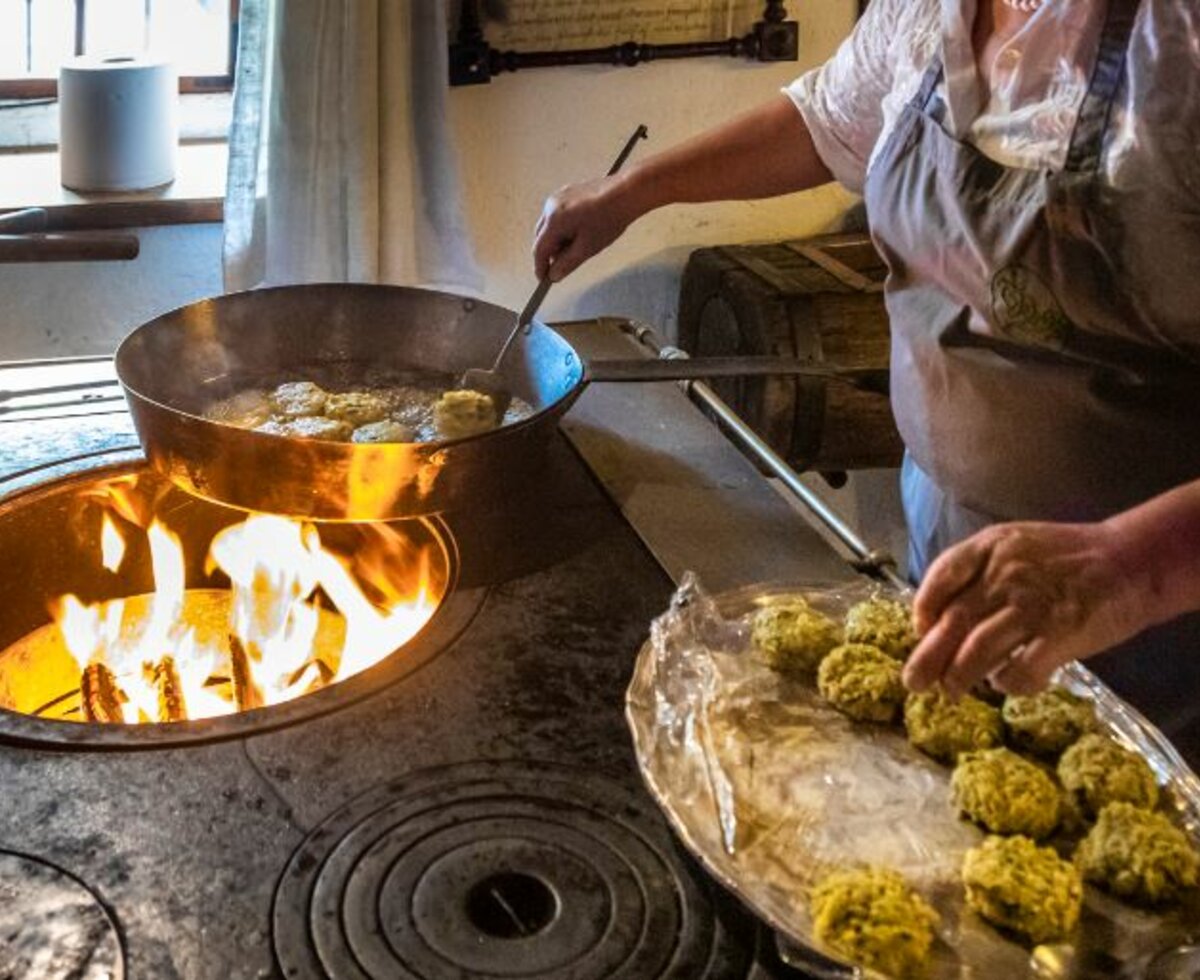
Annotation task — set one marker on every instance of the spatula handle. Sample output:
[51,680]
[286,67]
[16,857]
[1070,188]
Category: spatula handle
[525,320]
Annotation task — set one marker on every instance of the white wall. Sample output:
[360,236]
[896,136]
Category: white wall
[518,139]
[59,309]
[524,135]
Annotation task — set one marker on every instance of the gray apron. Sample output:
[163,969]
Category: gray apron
[1032,377]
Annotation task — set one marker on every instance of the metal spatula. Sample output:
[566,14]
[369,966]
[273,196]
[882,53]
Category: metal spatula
[490,381]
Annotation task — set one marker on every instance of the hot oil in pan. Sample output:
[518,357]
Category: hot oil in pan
[333,402]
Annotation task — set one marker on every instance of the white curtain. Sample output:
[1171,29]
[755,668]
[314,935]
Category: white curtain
[341,165]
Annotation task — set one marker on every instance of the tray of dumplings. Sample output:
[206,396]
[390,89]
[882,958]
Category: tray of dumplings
[887,834]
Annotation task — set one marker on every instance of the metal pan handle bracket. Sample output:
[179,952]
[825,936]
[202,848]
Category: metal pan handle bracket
[875,562]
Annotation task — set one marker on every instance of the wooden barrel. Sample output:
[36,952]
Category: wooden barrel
[819,300]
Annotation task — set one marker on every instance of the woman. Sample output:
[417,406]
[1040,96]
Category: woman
[1031,170]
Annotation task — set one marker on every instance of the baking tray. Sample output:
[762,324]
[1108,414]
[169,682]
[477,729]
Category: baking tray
[769,787]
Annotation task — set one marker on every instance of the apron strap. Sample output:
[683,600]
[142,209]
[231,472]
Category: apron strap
[929,84]
[1083,155]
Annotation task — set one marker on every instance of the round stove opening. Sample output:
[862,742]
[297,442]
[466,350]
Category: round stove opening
[128,604]
[511,905]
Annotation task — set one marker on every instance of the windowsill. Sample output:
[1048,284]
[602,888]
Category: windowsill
[29,171]
[197,195]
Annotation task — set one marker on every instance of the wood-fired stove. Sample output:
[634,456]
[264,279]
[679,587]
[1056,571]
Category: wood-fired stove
[471,806]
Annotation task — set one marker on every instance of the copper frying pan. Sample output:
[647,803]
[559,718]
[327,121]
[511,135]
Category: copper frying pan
[173,367]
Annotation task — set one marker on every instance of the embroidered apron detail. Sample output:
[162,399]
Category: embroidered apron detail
[1024,309]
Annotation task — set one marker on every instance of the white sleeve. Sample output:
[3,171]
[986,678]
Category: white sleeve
[842,101]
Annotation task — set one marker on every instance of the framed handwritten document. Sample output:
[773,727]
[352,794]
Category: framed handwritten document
[558,25]
[548,33]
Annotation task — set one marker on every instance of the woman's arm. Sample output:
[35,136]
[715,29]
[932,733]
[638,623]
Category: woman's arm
[763,153]
[1158,544]
[1016,601]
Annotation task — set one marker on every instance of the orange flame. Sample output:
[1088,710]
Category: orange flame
[275,617]
[112,545]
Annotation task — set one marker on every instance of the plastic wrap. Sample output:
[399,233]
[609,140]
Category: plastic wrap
[770,788]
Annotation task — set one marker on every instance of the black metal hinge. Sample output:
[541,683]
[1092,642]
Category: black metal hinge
[473,61]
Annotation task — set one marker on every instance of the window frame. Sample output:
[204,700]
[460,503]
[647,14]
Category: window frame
[47,88]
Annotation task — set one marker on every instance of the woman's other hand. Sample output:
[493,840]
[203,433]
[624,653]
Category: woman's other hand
[1016,601]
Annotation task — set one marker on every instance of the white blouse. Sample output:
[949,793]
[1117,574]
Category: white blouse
[1038,83]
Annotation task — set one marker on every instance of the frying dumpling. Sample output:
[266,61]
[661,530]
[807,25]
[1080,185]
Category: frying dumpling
[461,413]
[309,427]
[246,409]
[386,430]
[297,398]
[357,407]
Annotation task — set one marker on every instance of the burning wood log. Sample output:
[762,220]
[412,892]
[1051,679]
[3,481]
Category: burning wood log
[246,694]
[171,706]
[318,672]
[99,695]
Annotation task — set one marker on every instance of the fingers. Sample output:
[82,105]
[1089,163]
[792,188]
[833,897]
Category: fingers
[986,649]
[576,223]
[933,656]
[1027,671]
[559,249]
[548,246]
[569,259]
[956,569]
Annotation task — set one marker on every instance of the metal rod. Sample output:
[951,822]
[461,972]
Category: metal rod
[102,399]
[59,700]
[874,561]
[750,366]
[640,133]
[11,394]
[58,417]
[57,361]
[474,61]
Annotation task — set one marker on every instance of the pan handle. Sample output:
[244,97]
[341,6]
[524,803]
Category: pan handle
[705,368]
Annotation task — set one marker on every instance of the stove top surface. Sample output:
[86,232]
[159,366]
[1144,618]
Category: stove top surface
[483,816]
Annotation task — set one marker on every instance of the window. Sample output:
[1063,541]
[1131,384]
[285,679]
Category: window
[36,36]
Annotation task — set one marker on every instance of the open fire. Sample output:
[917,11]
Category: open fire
[296,614]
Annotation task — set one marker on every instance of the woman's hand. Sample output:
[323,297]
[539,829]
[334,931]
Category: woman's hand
[1016,601]
[577,222]
[762,153]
